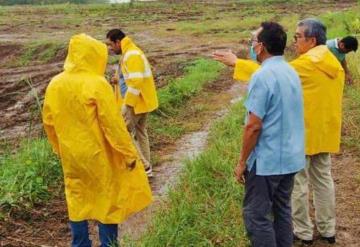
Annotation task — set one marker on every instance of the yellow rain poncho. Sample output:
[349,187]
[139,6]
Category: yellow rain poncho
[322,78]
[85,129]
[141,92]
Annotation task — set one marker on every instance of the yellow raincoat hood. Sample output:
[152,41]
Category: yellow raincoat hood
[323,61]
[322,78]
[86,54]
[85,129]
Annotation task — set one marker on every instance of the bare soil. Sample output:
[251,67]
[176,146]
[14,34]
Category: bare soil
[46,225]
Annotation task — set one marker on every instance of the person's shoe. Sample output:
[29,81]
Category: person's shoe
[149,172]
[304,242]
[330,240]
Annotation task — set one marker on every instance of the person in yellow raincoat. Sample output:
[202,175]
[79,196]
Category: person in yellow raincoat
[322,78]
[104,178]
[138,91]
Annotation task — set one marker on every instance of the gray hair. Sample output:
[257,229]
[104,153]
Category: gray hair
[314,28]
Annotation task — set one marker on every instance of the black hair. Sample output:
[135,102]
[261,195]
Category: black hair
[115,34]
[273,38]
[350,43]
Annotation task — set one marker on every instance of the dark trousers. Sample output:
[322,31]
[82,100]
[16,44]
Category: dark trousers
[267,209]
[108,234]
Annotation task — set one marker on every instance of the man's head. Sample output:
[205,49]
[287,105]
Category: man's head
[348,44]
[268,40]
[309,33]
[114,37]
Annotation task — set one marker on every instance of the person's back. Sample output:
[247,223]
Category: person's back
[322,80]
[332,44]
[283,123]
[104,179]
[74,93]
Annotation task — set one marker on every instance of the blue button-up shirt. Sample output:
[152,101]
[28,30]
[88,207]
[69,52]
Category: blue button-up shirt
[275,96]
[122,83]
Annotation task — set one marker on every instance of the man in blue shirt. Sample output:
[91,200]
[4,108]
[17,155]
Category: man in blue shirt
[340,47]
[273,140]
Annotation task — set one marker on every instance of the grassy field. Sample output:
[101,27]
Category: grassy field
[205,207]
[229,23]
[351,109]
[29,176]
[173,97]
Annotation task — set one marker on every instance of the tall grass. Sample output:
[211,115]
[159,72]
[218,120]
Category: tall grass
[204,209]
[342,23]
[27,175]
[351,109]
[197,74]
[173,97]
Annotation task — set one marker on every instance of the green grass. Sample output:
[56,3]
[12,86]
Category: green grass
[342,23]
[351,109]
[27,175]
[38,51]
[197,74]
[205,208]
[173,97]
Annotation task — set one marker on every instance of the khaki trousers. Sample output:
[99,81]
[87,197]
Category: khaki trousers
[136,124]
[318,173]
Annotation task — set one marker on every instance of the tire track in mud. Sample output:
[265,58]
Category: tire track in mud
[19,89]
[21,86]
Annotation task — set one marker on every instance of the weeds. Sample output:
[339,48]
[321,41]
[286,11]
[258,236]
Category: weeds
[205,207]
[27,175]
[351,110]
[164,124]
[41,51]
[198,73]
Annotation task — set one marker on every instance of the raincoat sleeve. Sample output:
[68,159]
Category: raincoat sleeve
[113,124]
[244,68]
[49,126]
[137,72]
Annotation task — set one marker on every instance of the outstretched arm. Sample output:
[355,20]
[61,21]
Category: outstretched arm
[243,68]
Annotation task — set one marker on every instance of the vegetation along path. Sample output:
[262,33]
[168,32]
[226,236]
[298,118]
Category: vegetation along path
[197,202]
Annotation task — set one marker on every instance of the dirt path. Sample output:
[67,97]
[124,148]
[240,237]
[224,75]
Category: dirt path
[346,173]
[188,147]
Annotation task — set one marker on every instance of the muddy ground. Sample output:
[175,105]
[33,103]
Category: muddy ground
[21,86]
[164,45]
